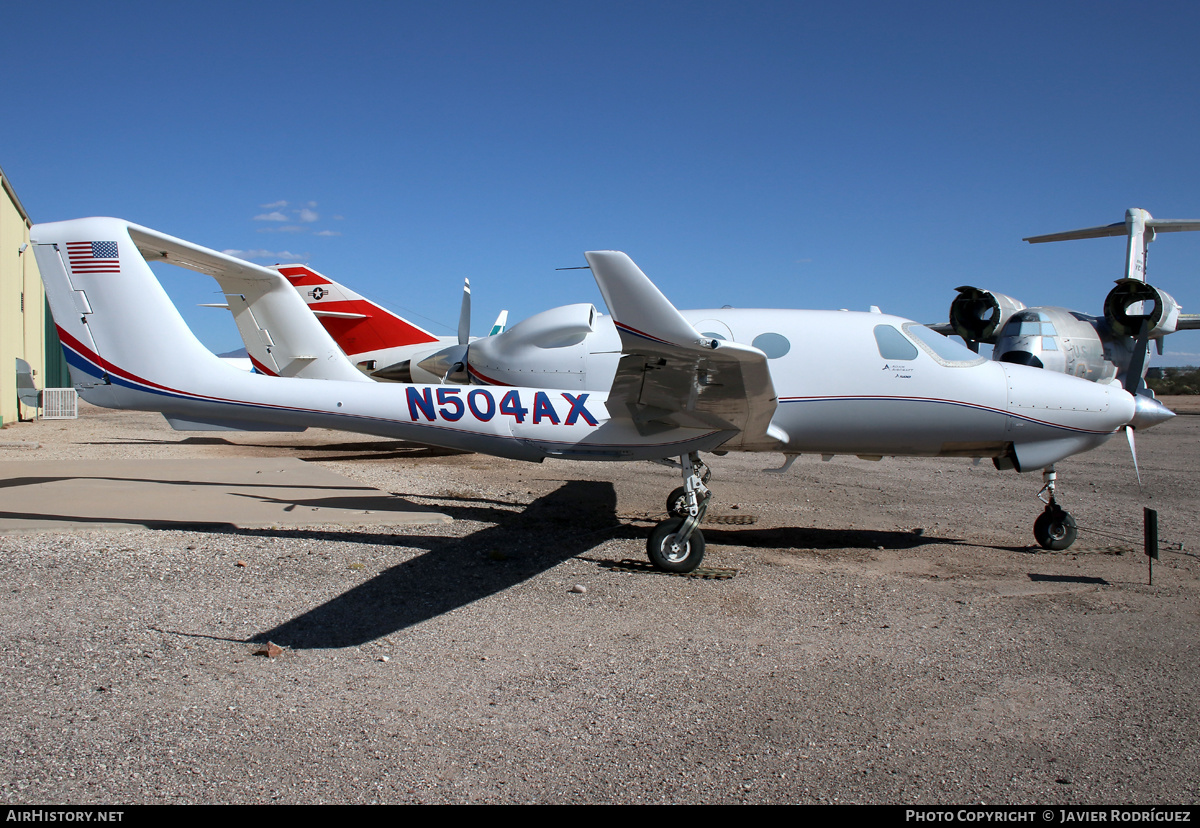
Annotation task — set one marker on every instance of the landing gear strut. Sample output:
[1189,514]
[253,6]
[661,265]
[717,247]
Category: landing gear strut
[677,544]
[1055,528]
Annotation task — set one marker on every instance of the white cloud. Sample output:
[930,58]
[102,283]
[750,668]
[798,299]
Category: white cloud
[274,206]
[274,255]
[328,233]
[275,216]
[291,228]
[308,215]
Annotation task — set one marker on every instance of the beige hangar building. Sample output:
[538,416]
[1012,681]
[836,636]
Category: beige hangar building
[26,329]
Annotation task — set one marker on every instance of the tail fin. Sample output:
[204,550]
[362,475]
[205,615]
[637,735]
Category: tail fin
[357,324]
[102,292]
[500,325]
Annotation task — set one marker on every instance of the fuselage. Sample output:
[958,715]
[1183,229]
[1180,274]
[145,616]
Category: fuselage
[852,383]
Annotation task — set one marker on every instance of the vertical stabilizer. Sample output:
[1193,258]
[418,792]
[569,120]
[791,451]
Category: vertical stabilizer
[357,324]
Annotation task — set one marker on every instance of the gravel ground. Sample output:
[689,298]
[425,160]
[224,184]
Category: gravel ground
[890,636]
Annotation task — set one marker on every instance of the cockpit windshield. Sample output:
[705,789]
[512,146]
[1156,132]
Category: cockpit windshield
[942,348]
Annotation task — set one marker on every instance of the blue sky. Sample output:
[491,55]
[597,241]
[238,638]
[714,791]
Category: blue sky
[770,154]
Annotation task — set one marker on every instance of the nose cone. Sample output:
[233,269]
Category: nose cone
[442,362]
[1149,412]
[1053,416]
[1067,402]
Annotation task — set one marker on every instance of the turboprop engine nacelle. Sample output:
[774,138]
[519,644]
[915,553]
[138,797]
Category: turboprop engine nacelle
[1133,301]
[977,315]
[557,346]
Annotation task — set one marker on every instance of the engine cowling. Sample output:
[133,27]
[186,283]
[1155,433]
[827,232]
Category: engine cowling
[1132,301]
[978,315]
[552,349]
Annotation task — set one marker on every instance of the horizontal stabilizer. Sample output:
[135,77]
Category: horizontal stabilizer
[1118,229]
[27,391]
[338,315]
[280,335]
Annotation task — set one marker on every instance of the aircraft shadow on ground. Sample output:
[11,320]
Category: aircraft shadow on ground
[789,537]
[16,482]
[389,450]
[1067,579]
[455,572]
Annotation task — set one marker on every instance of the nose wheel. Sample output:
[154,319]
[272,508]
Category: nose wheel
[677,544]
[1054,528]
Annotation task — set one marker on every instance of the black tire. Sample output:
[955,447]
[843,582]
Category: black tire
[662,556]
[1055,529]
[677,503]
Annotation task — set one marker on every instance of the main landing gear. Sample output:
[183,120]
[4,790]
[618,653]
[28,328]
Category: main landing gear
[677,544]
[1055,528]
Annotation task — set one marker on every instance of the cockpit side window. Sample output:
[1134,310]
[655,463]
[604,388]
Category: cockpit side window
[893,344]
[1029,324]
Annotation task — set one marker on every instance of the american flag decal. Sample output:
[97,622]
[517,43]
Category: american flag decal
[93,257]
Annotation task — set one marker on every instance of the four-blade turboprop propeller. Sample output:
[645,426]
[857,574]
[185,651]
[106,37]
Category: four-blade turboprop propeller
[648,382]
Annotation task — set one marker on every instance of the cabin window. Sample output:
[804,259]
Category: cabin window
[772,344]
[892,344]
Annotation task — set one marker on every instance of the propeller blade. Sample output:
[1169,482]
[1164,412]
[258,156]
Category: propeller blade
[1141,347]
[464,316]
[1133,451]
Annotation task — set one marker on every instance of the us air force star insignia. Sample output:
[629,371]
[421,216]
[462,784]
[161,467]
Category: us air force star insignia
[317,293]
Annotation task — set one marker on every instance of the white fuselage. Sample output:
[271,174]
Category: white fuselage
[843,391]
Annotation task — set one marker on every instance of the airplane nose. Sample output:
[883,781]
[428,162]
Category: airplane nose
[1053,416]
[1066,401]
[1149,412]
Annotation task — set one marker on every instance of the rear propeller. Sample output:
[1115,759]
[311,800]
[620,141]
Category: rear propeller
[453,358]
[464,315]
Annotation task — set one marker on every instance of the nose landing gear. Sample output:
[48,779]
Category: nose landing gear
[1054,528]
[677,544]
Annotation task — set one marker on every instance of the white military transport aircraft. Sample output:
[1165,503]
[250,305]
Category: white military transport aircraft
[675,385]
[1101,348]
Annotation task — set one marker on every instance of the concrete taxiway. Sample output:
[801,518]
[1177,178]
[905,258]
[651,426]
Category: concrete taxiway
[243,493]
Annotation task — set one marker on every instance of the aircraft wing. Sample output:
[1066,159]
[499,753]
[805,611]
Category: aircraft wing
[669,375]
[282,337]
